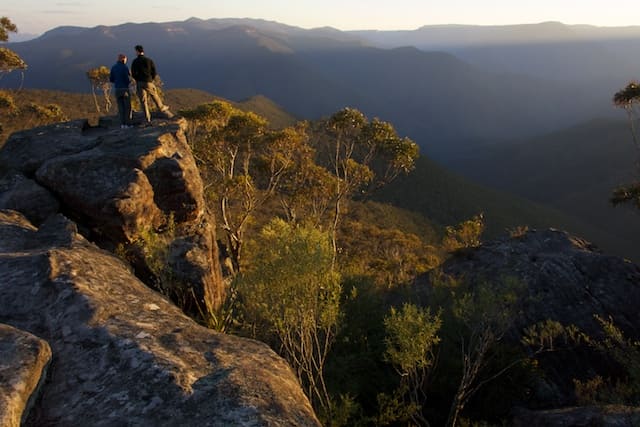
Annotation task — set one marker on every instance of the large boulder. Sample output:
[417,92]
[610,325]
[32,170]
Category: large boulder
[122,353]
[120,185]
[22,194]
[565,279]
[24,359]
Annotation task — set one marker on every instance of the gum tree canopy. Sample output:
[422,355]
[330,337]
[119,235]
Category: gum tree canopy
[9,60]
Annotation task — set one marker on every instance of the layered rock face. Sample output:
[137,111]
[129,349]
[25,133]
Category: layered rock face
[117,185]
[122,353]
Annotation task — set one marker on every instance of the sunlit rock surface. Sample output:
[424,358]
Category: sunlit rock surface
[122,353]
[117,184]
[24,359]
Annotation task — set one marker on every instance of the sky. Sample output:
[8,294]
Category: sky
[38,16]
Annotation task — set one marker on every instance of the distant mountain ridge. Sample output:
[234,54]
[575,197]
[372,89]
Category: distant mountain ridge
[598,59]
[442,102]
[456,101]
[441,36]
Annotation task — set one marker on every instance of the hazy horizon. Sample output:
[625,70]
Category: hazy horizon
[34,17]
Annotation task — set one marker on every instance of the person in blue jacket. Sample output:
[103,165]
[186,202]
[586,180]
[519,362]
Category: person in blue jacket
[121,78]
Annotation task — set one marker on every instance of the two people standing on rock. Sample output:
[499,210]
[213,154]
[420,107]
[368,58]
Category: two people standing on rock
[143,70]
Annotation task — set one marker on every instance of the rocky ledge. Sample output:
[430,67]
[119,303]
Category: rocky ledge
[121,353]
[118,184]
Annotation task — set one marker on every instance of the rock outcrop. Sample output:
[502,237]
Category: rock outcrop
[122,353]
[117,185]
[609,415]
[24,359]
[22,194]
[565,279]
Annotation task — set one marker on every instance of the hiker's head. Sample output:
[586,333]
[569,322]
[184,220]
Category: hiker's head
[139,49]
[122,58]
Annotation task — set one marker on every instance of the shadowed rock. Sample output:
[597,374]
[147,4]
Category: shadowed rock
[123,354]
[565,279]
[24,359]
[20,193]
[609,415]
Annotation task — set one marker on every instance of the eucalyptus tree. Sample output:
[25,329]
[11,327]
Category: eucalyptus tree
[291,293]
[411,341]
[628,98]
[6,27]
[9,60]
[99,79]
[363,155]
[243,163]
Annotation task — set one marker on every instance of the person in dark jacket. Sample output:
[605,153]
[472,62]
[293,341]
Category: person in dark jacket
[120,77]
[143,71]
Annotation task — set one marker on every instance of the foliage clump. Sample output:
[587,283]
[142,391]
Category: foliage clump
[45,113]
[9,60]
[6,27]
[627,194]
[292,292]
[624,98]
[626,353]
[7,103]
[411,339]
[390,256]
[26,114]
[464,235]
